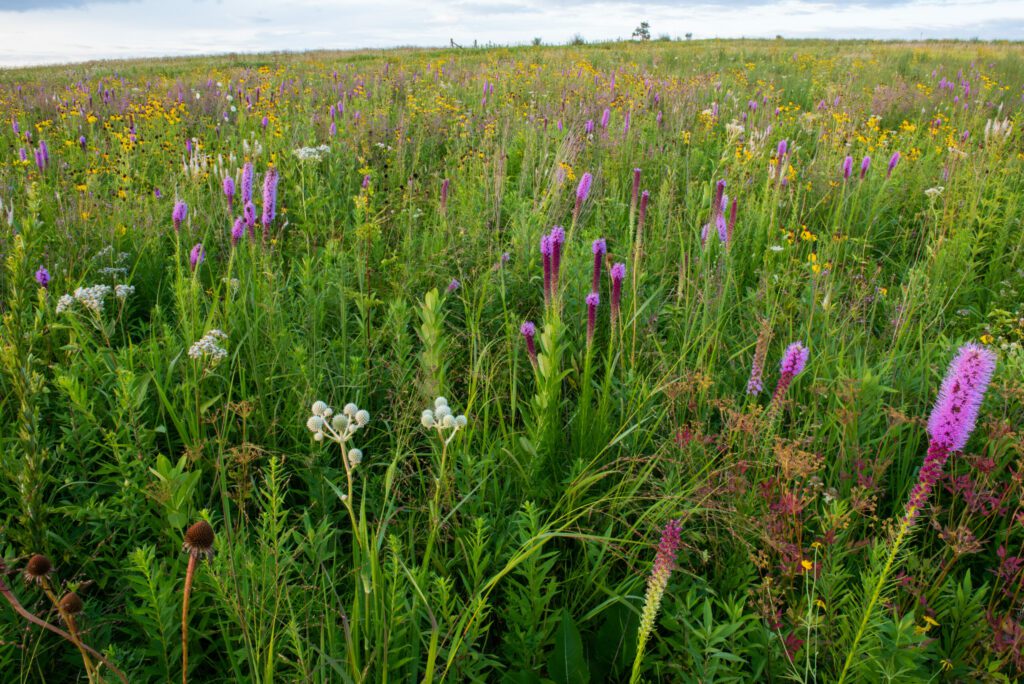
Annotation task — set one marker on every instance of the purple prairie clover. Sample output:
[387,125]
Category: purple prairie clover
[229,191]
[43,277]
[593,299]
[453,286]
[865,164]
[847,167]
[893,161]
[599,248]
[529,331]
[445,184]
[196,256]
[247,181]
[178,214]
[657,582]
[269,199]
[618,275]
[237,231]
[960,396]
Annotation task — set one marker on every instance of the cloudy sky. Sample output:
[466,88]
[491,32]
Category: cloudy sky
[46,31]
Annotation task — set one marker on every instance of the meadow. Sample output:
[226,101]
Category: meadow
[666,362]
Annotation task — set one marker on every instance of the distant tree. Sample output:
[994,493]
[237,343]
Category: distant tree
[537,42]
[665,38]
[578,40]
[689,36]
[643,31]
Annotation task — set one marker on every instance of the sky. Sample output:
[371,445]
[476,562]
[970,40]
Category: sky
[57,31]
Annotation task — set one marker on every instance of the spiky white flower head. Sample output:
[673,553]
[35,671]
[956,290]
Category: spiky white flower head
[319,407]
[350,410]
[315,423]
[439,402]
[461,421]
[362,417]
[318,436]
[428,419]
[442,411]
[448,421]
[339,423]
[355,456]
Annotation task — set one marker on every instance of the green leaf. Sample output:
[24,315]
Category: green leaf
[567,664]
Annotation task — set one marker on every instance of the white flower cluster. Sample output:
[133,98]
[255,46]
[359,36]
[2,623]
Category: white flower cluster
[312,153]
[114,272]
[441,418]
[994,128]
[338,427]
[207,347]
[122,292]
[932,193]
[90,298]
[254,148]
[232,283]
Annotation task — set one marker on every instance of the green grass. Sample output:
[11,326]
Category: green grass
[518,549]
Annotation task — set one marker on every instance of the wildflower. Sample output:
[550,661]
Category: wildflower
[618,274]
[208,347]
[847,167]
[441,418]
[453,285]
[893,161]
[755,384]
[81,141]
[657,582]
[199,540]
[237,231]
[338,428]
[960,396]
[599,248]
[582,192]
[865,164]
[793,362]
[528,330]
[178,214]
[593,299]
[932,193]
[269,198]
[38,569]
[247,180]
[546,250]
[557,240]
[249,217]
[312,153]
[781,151]
[43,277]
[229,191]
[71,604]
[197,255]
[606,117]
[122,292]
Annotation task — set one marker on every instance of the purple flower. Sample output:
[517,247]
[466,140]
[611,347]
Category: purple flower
[599,248]
[81,141]
[847,167]
[247,180]
[794,360]
[583,189]
[237,231]
[43,277]
[865,164]
[606,117]
[618,274]
[893,161]
[366,181]
[333,129]
[636,191]
[178,214]
[960,396]
[264,122]
[593,299]
[657,582]
[557,240]
[269,199]
[645,198]
[528,330]
[229,190]
[22,155]
[157,193]
[249,217]
[589,126]
[197,255]
[45,151]
[453,286]
[546,249]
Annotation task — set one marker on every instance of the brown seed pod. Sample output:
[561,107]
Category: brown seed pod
[199,540]
[71,604]
[38,568]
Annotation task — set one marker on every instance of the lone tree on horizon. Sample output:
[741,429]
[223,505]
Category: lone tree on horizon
[643,31]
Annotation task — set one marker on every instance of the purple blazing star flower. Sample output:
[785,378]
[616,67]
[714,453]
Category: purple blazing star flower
[366,181]
[196,256]
[582,192]
[229,191]
[782,150]
[636,191]
[588,127]
[333,129]
[593,299]
[269,199]
[618,275]
[959,401]
[45,151]
[793,362]
[249,217]
[22,155]
[546,250]
[43,277]
[528,331]
[865,164]
[454,285]
[557,240]
[247,181]
[237,231]
[847,167]
[606,117]
[81,141]
[178,214]
[599,248]
[893,161]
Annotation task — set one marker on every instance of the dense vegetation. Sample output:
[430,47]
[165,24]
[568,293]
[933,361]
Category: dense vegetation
[442,224]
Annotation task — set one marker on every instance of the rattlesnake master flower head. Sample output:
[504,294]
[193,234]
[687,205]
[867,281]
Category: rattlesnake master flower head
[199,540]
[71,604]
[442,418]
[794,360]
[960,396]
[38,568]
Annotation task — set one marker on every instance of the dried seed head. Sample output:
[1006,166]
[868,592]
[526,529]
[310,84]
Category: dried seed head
[199,540]
[38,568]
[71,604]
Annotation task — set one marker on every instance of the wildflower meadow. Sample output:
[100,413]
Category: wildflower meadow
[669,361]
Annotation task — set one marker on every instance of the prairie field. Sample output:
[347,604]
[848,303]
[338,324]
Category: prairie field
[673,361]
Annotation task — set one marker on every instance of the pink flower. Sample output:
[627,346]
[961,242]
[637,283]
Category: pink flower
[960,396]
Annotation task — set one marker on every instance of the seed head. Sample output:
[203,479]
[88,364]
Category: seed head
[199,540]
[38,568]
[71,604]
